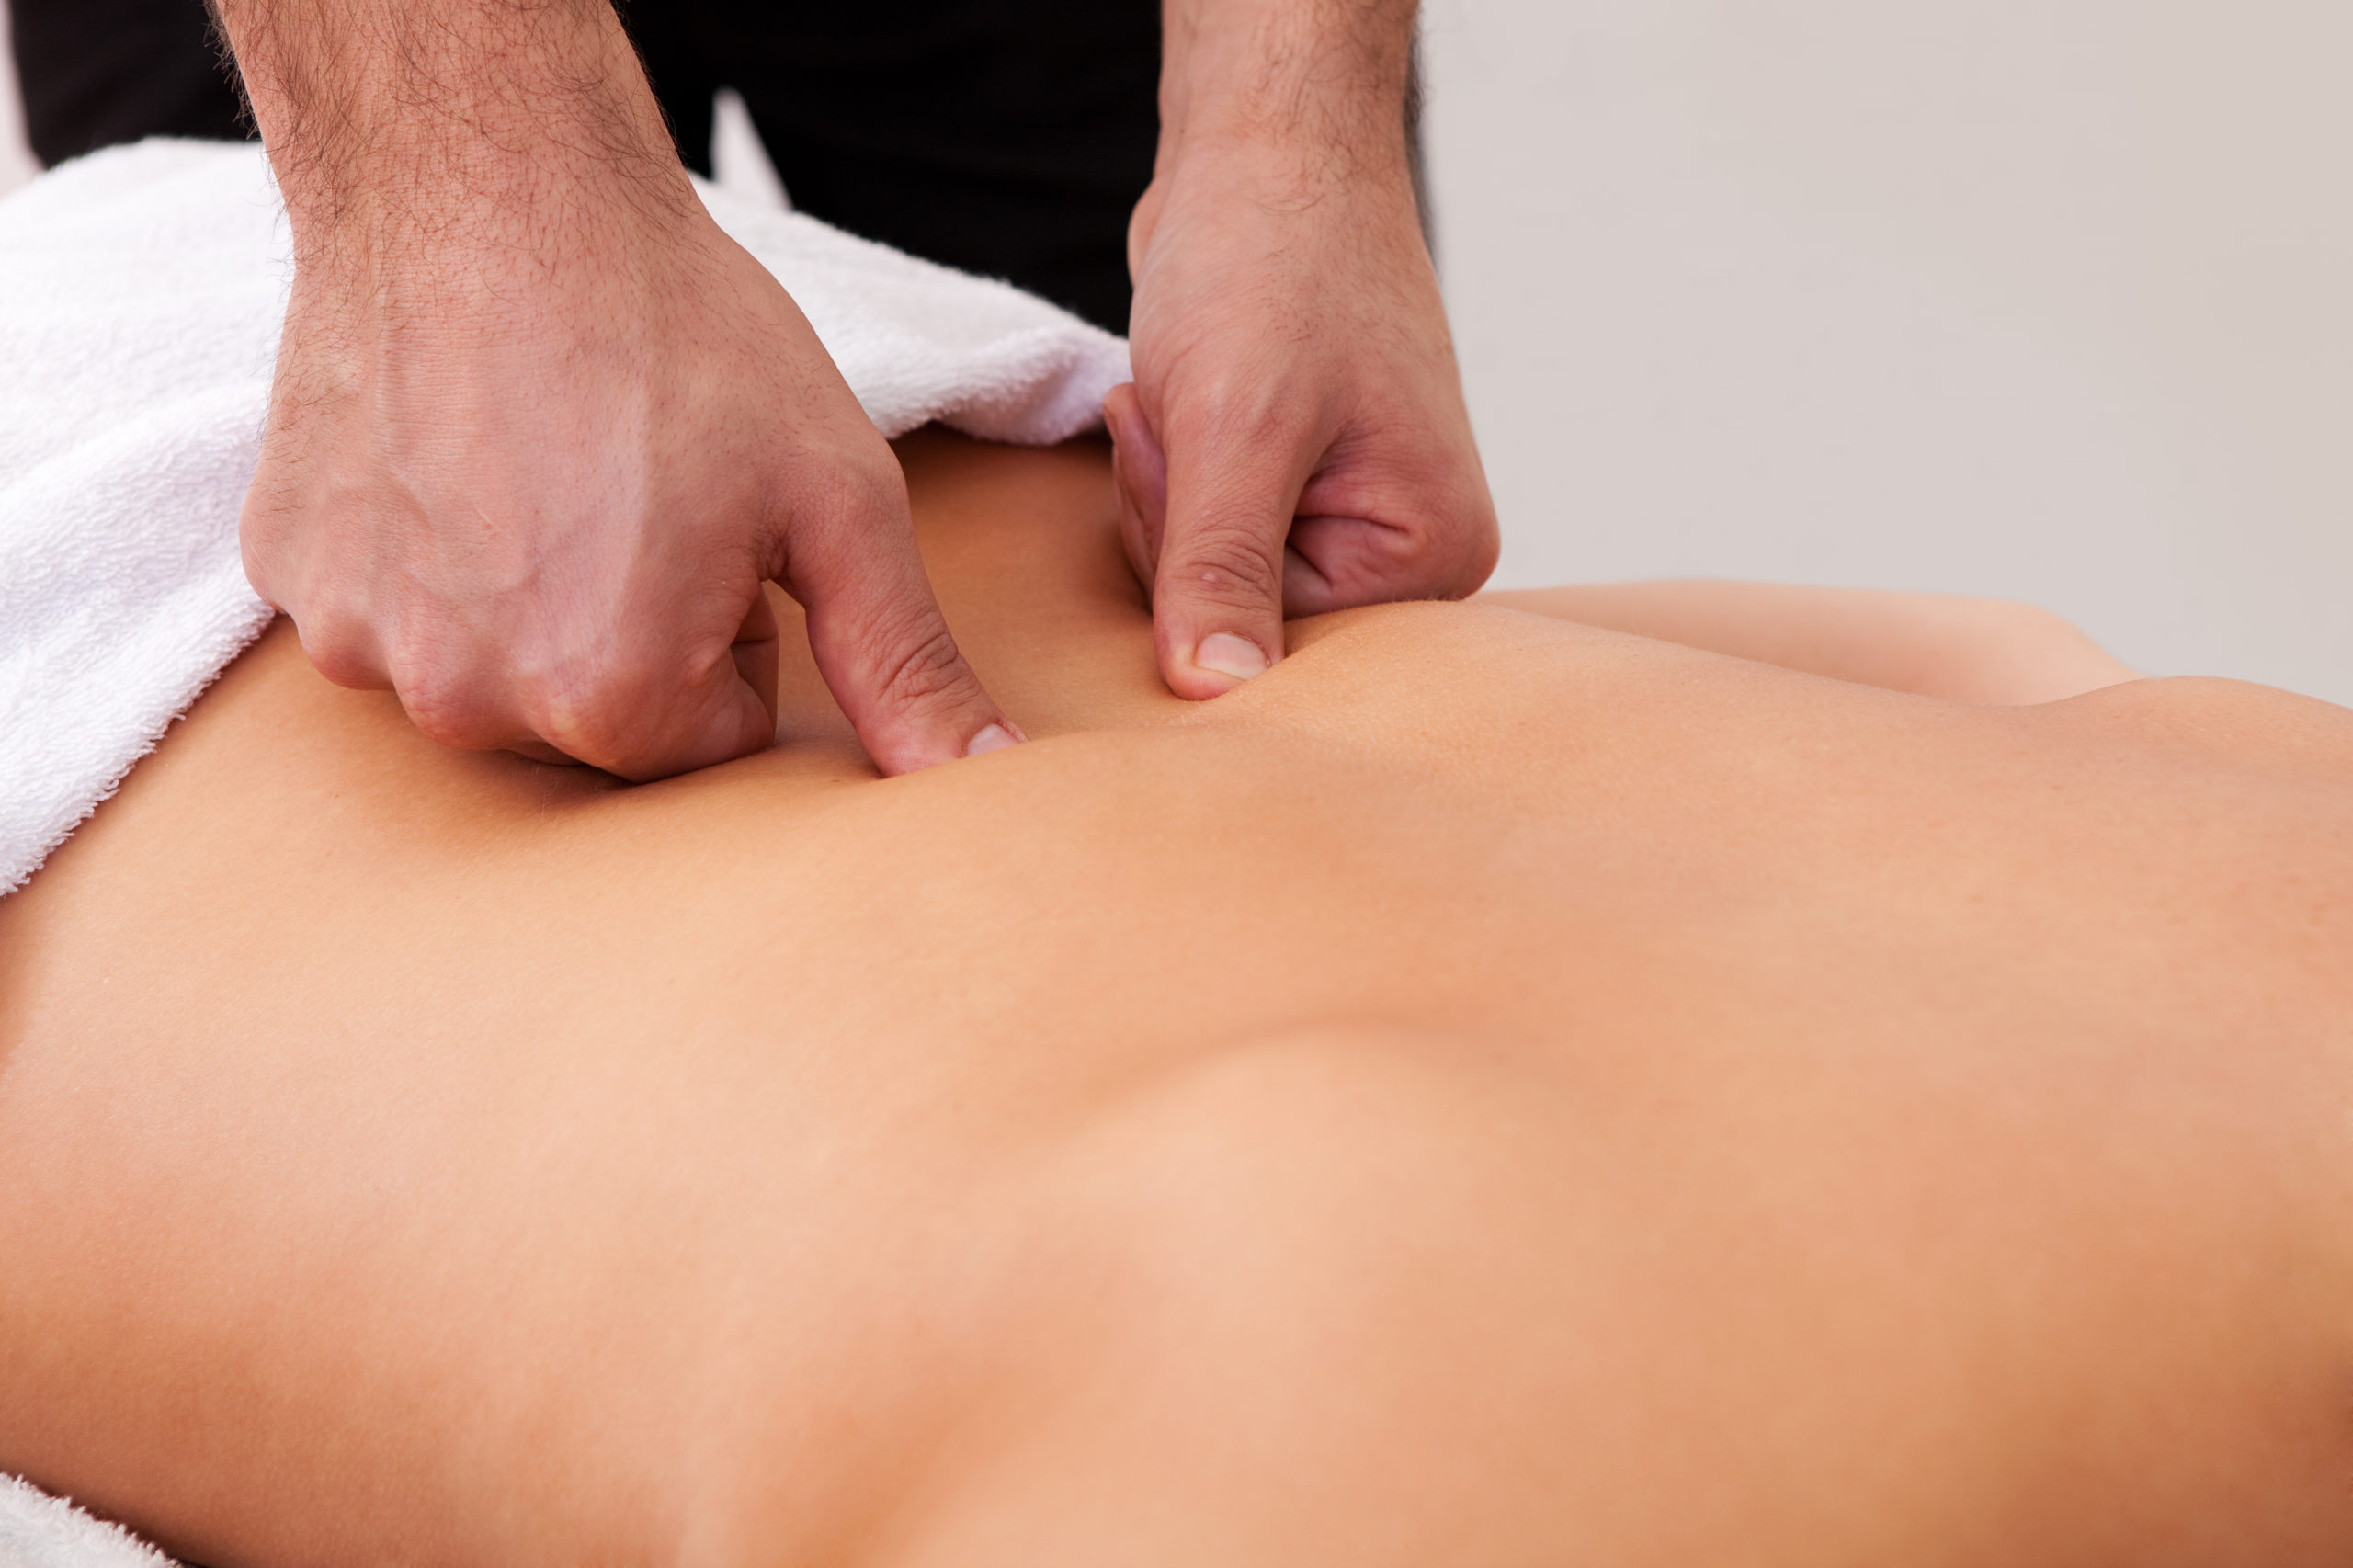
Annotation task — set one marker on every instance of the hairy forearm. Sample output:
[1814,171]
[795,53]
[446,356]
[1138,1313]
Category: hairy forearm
[388,116]
[1325,80]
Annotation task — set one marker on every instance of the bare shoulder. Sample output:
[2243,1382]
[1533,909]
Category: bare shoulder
[2224,720]
[1983,652]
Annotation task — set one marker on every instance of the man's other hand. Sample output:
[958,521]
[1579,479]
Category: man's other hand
[1295,440]
[541,430]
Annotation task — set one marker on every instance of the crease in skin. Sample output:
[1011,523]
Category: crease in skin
[1490,1090]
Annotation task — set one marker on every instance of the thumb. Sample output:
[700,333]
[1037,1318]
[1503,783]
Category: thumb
[1217,589]
[882,644]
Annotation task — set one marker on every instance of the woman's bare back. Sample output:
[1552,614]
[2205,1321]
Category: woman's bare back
[1491,1089]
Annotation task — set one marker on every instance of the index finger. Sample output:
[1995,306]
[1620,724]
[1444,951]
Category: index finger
[879,637]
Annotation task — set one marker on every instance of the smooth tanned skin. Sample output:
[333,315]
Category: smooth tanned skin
[1492,1091]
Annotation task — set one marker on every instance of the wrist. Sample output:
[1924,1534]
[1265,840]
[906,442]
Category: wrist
[451,121]
[1297,200]
[1314,87]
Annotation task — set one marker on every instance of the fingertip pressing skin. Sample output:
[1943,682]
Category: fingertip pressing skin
[1199,669]
[1219,612]
[911,745]
[994,737]
[1222,652]
[888,657]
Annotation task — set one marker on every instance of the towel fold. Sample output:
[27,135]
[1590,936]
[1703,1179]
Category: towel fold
[141,292]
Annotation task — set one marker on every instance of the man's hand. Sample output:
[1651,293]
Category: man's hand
[1295,440]
[541,430]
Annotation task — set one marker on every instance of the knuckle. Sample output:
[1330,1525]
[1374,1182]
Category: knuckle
[339,649]
[260,558]
[447,705]
[925,668]
[1483,554]
[1227,563]
[1462,554]
[592,706]
[340,640]
[626,709]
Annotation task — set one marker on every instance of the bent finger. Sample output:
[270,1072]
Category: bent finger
[649,708]
[641,735]
[1338,562]
[881,642]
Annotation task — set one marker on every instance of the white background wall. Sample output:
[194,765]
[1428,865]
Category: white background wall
[2052,298]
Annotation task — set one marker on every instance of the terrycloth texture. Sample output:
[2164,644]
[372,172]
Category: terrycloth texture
[40,1531]
[141,291]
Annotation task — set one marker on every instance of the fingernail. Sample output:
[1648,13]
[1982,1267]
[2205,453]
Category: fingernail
[1229,655]
[994,737]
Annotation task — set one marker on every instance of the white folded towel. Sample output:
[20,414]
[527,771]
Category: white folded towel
[141,290]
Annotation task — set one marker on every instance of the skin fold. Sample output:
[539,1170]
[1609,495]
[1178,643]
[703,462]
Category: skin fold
[1493,1090]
